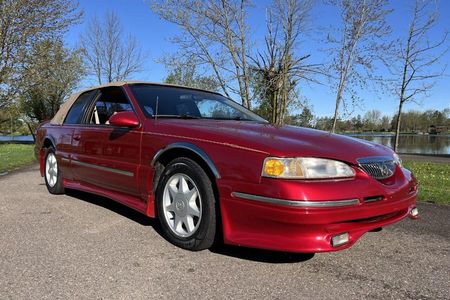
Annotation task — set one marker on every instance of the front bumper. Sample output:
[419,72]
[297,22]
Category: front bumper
[310,228]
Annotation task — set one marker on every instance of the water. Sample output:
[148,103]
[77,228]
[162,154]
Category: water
[413,144]
[23,139]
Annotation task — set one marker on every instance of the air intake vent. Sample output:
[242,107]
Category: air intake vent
[379,167]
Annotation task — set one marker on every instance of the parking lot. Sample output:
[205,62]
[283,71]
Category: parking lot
[85,247]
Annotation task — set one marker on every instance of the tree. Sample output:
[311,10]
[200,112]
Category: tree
[48,79]
[323,123]
[278,69]
[304,119]
[357,123]
[417,54]
[109,54]
[215,33]
[22,24]
[372,118]
[385,123]
[187,75]
[358,44]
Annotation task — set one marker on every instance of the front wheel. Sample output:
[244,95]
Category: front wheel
[53,176]
[185,205]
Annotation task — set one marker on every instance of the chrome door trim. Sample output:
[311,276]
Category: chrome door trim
[299,203]
[107,169]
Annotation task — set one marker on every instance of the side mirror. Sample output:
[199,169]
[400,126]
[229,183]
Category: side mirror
[124,119]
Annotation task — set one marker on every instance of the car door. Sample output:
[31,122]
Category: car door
[72,123]
[107,156]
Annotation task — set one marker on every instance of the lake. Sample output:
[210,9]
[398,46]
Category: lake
[412,143]
[417,144]
[22,139]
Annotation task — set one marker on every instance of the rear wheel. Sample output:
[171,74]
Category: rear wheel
[53,176]
[185,205]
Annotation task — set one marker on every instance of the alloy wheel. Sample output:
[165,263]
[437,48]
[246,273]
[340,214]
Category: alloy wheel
[182,205]
[51,169]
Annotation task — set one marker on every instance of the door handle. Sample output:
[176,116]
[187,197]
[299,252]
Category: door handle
[77,137]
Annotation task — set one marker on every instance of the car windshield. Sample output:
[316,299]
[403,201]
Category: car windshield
[177,102]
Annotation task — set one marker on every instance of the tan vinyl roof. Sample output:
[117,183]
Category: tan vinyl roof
[60,116]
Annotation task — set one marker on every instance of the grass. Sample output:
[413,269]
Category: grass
[15,156]
[434,180]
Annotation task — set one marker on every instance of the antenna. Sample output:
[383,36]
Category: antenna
[156,109]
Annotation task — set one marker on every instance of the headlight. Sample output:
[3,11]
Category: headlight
[305,168]
[397,160]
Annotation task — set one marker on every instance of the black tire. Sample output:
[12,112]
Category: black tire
[54,187]
[203,236]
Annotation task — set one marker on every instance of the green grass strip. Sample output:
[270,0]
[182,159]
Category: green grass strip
[15,156]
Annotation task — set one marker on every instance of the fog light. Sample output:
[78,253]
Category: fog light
[339,240]
[414,213]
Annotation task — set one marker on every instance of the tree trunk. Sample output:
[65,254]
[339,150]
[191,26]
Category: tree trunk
[31,131]
[397,127]
[336,110]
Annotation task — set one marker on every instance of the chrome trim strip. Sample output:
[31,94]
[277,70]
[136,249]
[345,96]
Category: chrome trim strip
[374,159]
[191,147]
[112,170]
[300,203]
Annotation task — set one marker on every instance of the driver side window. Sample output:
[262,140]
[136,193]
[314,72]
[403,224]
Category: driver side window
[110,101]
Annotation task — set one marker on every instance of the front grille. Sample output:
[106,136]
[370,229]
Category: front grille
[378,167]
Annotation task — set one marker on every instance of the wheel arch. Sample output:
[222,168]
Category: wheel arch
[184,149]
[193,151]
[48,141]
[40,151]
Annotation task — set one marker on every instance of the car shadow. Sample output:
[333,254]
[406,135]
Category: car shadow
[112,205]
[258,255]
[261,255]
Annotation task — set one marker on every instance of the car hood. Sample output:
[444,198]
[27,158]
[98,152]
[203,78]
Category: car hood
[282,141]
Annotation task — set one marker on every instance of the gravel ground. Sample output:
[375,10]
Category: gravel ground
[80,246]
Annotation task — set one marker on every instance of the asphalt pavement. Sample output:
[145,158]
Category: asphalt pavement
[81,246]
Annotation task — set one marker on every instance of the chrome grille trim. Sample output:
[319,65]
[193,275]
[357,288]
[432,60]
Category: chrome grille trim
[378,167]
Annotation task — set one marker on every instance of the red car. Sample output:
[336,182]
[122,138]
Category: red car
[206,167]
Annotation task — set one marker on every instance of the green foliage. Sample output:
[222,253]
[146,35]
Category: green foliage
[24,23]
[304,119]
[434,180]
[10,123]
[187,75]
[14,156]
[48,79]
[416,121]
[413,121]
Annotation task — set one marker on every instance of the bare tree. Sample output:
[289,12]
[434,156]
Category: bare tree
[110,54]
[278,69]
[215,33]
[359,42]
[417,55]
[24,23]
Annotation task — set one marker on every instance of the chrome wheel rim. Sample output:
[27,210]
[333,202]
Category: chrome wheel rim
[51,169]
[182,205]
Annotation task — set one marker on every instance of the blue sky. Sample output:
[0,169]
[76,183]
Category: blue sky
[153,35]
